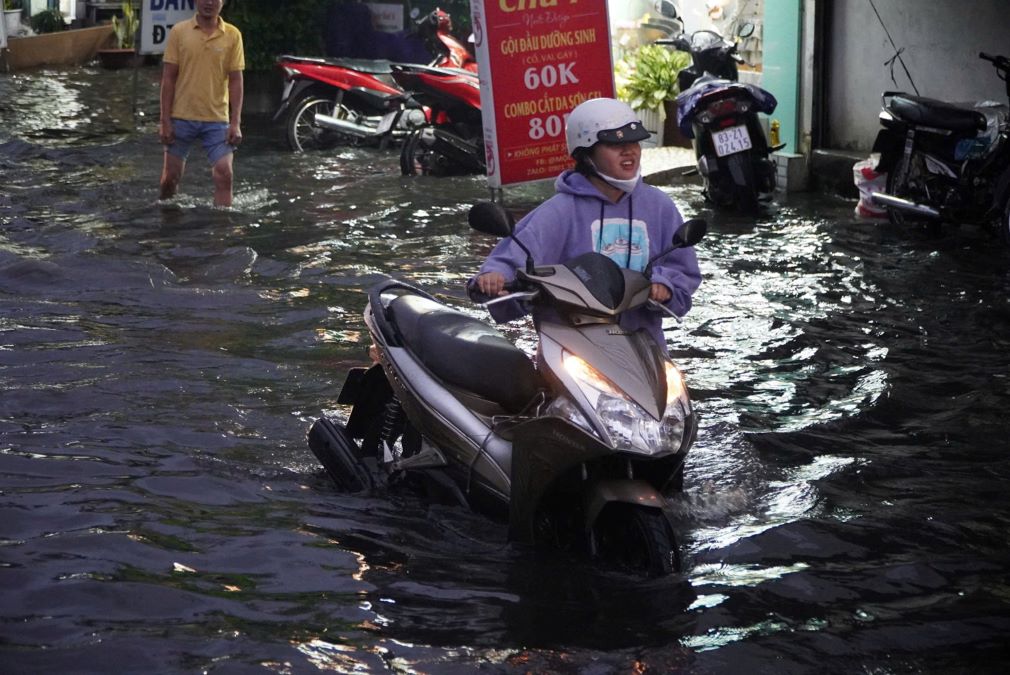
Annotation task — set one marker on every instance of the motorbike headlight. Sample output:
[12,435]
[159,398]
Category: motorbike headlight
[631,428]
[564,408]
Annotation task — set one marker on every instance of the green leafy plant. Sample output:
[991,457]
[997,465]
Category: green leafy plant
[300,28]
[48,21]
[647,76]
[125,27]
[267,33]
[12,4]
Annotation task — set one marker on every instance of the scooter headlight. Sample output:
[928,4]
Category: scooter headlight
[631,428]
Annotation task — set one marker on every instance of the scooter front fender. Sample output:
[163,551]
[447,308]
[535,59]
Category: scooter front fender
[291,94]
[635,492]
[543,450]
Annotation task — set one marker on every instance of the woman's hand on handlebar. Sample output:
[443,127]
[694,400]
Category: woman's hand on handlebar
[660,293]
[492,284]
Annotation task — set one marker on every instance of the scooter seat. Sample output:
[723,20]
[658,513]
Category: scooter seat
[940,114]
[465,352]
[372,66]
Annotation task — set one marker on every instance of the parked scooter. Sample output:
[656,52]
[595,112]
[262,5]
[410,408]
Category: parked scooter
[331,101]
[720,114]
[946,162]
[451,142]
[576,455]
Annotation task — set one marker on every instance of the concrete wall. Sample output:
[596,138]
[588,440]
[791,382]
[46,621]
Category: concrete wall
[941,38]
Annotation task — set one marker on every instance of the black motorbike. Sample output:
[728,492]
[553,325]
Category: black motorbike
[720,114]
[577,454]
[946,162]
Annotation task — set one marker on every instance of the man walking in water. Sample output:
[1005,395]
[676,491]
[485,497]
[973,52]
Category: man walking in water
[201,97]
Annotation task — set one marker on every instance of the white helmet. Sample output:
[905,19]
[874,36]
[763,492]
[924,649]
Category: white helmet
[602,119]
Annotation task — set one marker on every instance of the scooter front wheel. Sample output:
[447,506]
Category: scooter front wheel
[411,160]
[637,539]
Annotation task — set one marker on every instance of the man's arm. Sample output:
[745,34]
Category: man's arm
[236,91]
[169,75]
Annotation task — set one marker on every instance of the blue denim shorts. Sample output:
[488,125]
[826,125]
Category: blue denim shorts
[213,136]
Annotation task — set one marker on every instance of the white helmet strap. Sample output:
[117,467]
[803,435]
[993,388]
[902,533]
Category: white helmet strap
[625,184]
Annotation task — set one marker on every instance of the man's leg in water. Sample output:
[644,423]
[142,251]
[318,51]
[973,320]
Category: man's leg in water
[223,177]
[171,175]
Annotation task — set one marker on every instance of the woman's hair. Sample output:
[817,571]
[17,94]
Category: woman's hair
[582,163]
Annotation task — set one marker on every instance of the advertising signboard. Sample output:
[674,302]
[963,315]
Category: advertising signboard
[157,17]
[537,60]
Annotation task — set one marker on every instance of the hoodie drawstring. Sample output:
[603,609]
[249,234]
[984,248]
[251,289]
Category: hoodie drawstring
[631,218]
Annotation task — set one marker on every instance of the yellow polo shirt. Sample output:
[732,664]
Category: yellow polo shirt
[201,91]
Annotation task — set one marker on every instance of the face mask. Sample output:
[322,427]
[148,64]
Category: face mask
[625,184]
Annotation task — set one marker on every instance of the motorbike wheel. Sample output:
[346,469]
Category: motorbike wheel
[339,455]
[744,185]
[413,158]
[896,187]
[637,539]
[898,183]
[303,134]
[1004,224]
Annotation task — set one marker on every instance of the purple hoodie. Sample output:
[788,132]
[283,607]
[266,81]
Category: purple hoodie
[568,225]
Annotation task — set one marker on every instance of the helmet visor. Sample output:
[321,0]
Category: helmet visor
[632,132]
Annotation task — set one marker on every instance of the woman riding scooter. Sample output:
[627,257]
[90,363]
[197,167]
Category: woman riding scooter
[602,205]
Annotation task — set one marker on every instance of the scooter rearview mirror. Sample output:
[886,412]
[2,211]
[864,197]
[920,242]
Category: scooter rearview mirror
[690,233]
[490,218]
[667,9]
[745,30]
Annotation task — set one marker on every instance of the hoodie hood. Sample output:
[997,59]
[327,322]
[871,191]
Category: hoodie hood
[571,182]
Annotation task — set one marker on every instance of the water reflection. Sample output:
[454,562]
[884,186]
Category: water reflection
[161,363]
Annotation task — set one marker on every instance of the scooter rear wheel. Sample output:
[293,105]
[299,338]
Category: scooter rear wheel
[302,132]
[337,452]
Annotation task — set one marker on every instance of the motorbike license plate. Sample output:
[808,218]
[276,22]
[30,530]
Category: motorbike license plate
[732,140]
[387,121]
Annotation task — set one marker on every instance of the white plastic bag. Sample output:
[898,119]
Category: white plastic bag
[868,181]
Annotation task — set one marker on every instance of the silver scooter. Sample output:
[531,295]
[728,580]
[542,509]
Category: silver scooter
[576,452]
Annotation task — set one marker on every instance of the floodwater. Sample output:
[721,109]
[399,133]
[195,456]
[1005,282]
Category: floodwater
[846,504]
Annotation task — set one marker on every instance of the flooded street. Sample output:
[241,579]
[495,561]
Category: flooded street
[846,501]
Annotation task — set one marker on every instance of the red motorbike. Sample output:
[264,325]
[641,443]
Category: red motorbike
[330,101]
[451,140]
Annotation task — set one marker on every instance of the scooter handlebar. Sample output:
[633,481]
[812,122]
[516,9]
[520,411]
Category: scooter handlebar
[660,307]
[474,293]
[998,61]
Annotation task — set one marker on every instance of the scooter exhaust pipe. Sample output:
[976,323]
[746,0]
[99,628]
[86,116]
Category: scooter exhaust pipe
[893,202]
[346,126]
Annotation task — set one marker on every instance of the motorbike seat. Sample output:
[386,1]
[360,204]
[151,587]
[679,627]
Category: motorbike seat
[465,352]
[371,66]
[930,112]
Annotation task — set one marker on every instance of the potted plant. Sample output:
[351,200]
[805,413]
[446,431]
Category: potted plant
[647,80]
[12,17]
[48,21]
[125,31]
